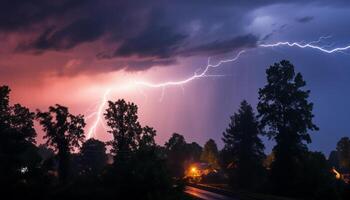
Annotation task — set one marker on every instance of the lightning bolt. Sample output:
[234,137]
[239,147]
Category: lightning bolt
[195,75]
[308,45]
[204,73]
[98,114]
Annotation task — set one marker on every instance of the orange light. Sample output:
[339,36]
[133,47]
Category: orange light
[193,169]
[337,174]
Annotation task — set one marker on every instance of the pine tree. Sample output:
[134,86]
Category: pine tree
[245,148]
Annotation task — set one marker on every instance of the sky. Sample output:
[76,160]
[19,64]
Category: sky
[72,52]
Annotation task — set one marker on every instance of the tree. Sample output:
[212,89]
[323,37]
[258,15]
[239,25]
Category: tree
[45,152]
[64,132]
[139,164]
[343,149]
[286,113]
[150,176]
[242,140]
[146,138]
[210,154]
[194,151]
[17,138]
[93,157]
[317,181]
[333,159]
[123,122]
[181,154]
[176,154]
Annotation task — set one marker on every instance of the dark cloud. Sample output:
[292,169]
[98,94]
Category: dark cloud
[223,46]
[83,30]
[146,64]
[89,21]
[305,19]
[154,29]
[19,14]
[274,32]
[155,41]
[81,21]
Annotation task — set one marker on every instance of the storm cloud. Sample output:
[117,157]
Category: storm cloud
[223,46]
[154,41]
[137,30]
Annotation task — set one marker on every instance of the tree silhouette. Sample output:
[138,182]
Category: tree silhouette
[175,142]
[194,151]
[93,157]
[123,122]
[242,141]
[343,149]
[317,181]
[287,116]
[45,152]
[17,139]
[146,138]
[64,132]
[150,176]
[210,154]
[176,154]
[333,159]
[139,163]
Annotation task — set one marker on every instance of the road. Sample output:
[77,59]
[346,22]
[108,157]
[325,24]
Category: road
[206,195]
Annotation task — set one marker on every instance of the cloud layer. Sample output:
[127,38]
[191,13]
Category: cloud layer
[70,51]
[134,34]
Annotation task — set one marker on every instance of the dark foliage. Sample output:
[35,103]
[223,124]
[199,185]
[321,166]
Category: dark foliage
[18,154]
[64,132]
[317,181]
[176,156]
[194,151]
[343,150]
[244,148]
[139,163]
[93,157]
[210,154]
[124,126]
[286,114]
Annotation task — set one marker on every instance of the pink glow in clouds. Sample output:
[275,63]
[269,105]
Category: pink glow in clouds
[38,87]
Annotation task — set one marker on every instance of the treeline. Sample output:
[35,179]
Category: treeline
[69,166]
[284,114]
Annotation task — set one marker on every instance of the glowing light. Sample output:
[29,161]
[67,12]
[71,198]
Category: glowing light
[337,174]
[24,170]
[193,169]
[203,74]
